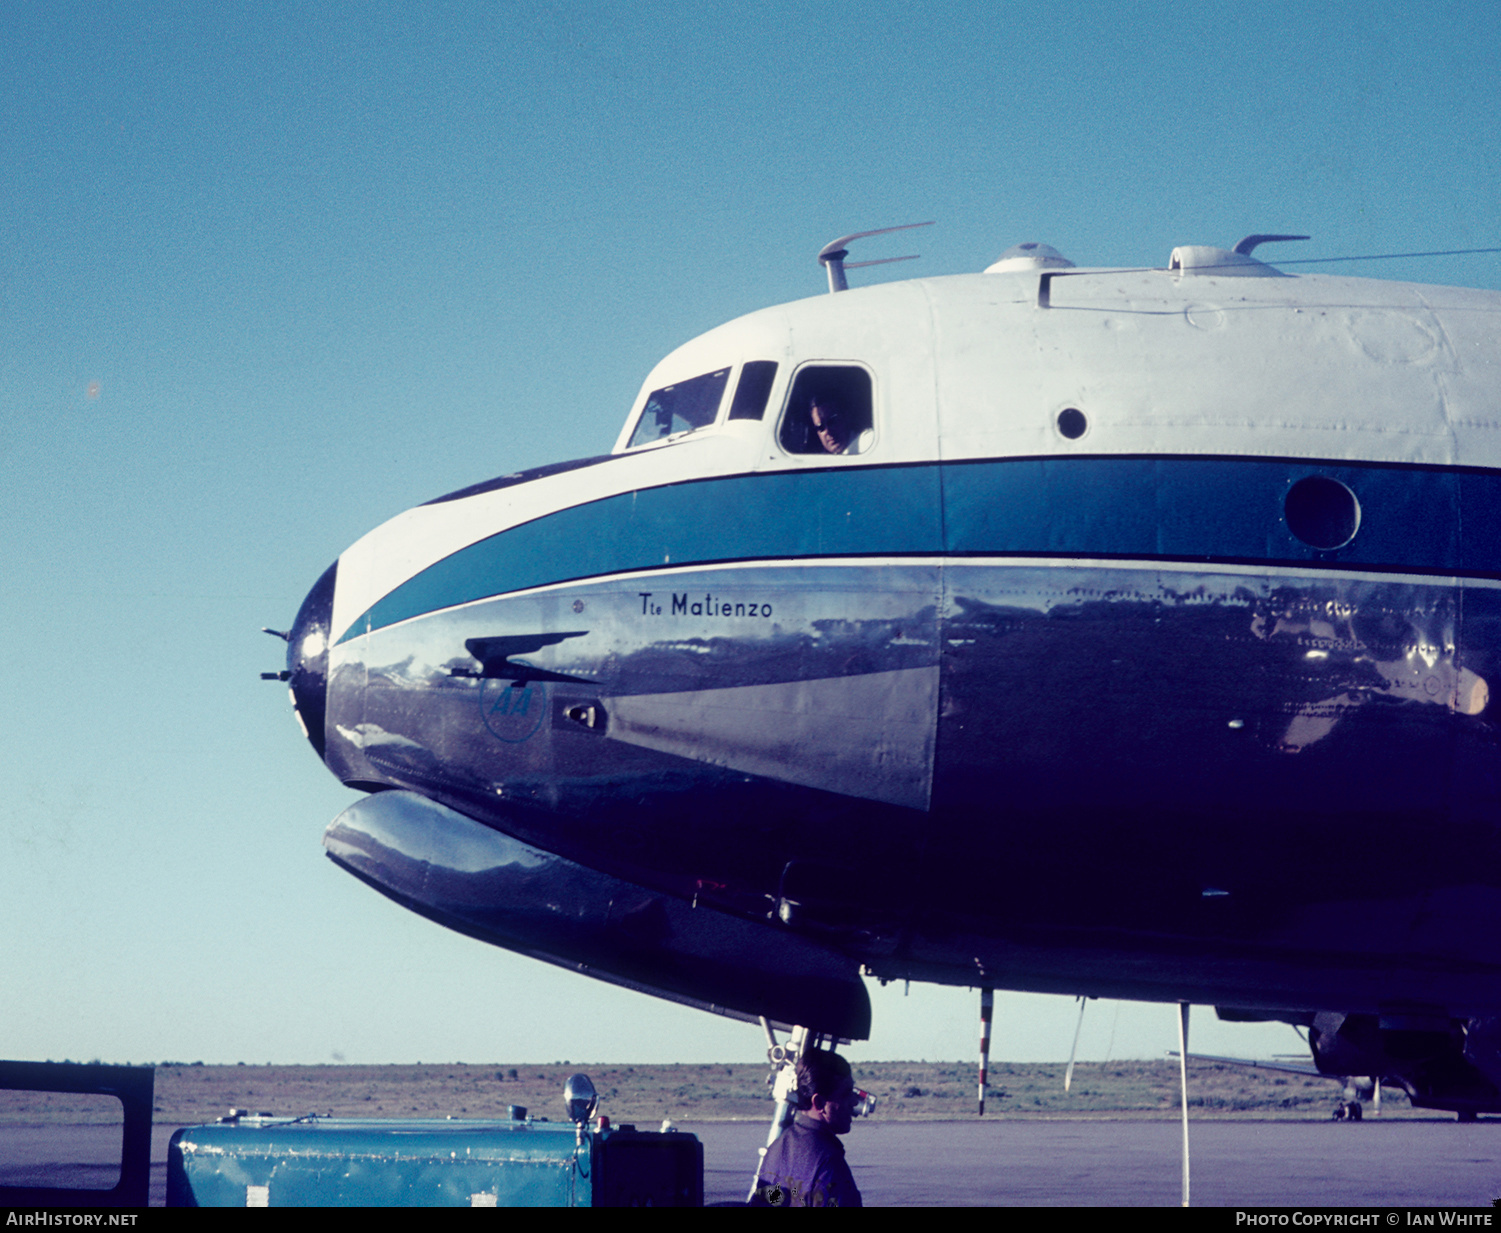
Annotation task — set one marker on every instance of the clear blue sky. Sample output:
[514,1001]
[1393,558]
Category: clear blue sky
[270,274]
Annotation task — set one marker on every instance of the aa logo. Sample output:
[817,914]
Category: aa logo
[512,712]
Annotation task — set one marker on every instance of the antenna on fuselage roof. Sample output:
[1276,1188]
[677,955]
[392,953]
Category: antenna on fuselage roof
[831,256]
[1245,247]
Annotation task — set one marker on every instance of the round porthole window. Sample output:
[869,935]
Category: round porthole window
[1322,512]
[1071,423]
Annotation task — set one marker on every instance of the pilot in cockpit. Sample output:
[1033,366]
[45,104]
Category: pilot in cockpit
[829,411]
[829,424]
[833,428]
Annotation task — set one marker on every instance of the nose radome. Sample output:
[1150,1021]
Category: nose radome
[307,657]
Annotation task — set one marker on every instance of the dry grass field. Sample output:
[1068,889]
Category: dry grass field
[645,1095]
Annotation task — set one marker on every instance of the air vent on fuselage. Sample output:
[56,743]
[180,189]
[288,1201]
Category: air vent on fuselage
[1030,256]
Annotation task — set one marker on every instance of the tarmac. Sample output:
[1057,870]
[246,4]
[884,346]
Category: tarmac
[1078,1163]
[1066,1163]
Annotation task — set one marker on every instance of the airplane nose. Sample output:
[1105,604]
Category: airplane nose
[307,657]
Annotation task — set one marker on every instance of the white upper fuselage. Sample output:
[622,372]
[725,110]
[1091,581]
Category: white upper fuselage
[1236,360]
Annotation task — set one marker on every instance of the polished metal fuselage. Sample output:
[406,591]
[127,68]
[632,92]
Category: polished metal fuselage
[993,705]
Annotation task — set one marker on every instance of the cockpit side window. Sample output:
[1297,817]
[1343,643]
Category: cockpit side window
[679,408]
[830,411]
[756,378]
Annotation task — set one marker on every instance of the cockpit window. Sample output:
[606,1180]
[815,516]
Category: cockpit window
[829,411]
[683,407]
[756,377]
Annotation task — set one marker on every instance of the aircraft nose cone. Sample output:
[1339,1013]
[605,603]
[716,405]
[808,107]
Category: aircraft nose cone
[307,657]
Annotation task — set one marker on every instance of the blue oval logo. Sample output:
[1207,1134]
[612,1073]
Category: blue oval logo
[512,712]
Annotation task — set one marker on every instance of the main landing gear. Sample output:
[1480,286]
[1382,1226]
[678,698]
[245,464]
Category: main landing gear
[783,1082]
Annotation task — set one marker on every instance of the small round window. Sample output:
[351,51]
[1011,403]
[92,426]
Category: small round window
[1072,423]
[1322,512]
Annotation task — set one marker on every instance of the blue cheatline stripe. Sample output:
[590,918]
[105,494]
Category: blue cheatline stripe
[780,514]
[1209,509]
